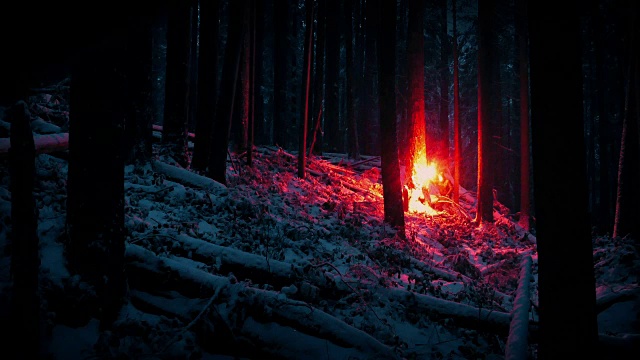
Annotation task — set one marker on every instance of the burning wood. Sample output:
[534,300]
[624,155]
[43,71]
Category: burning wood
[426,185]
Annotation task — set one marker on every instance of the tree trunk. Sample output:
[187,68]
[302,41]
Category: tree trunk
[260,130]
[628,195]
[25,257]
[525,187]
[176,104]
[392,188]
[306,86]
[228,83]
[281,44]
[457,156]
[413,152]
[240,122]
[444,87]
[207,83]
[352,124]
[95,219]
[139,118]
[370,102]
[567,302]
[252,82]
[319,94]
[487,107]
[332,105]
[193,65]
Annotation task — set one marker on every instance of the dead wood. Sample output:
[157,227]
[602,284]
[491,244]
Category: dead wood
[189,178]
[265,306]
[44,144]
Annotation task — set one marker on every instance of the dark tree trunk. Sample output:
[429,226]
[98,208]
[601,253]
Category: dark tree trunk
[280,73]
[193,66]
[137,135]
[176,104]
[224,112]
[207,83]
[318,97]
[332,106]
[457,156]
[487,109]
[565,256]
[252,82]
[352,124]
[240,122]
[25,257]
[444,87]
[413,150]
[626,221]
[392,188]
[523,55]
[261,133]
[358,72]
[369,103]
[95,190]
[306,86]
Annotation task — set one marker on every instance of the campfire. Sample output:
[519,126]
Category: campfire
[424,187]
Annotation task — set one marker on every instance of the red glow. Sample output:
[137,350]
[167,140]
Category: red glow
[424,177]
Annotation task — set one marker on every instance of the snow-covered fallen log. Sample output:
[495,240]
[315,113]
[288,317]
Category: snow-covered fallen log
[190,178]
[608,298]
[516,347]
[44,144]
[265,306]
[464,315]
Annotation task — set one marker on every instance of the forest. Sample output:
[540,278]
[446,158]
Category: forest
[320,179]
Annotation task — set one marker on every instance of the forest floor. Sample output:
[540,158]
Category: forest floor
[278,267]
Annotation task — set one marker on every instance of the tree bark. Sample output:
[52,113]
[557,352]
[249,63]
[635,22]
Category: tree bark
[444,87]
[457,155]
[281,44]
[25,257]
[224,112]
[352,124]
[392,188]
[332,106]
[568,323]
[523,55]
[207,83]
[176,104]
[306,86]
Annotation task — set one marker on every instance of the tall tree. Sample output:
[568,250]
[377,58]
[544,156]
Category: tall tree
[318,96]
[444,87]
[457,156]
[207,82]
[224,112]
[391,185]
[332,68]
[95,186]
[193,63]
[281,45]
[413,152]
[252,81]
[306,86]
[240,122]
[261,135]
[523,55]
[176,104]
[369,103]
[25,256]
[487,108]
[352,124]
[568,323]
[628,195]
[137,129]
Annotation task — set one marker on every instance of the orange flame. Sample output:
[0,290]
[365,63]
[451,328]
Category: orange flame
[423,174]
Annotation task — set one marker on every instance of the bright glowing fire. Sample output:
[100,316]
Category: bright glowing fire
[424,174]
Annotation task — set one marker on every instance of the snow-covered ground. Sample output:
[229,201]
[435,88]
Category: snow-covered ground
[279,267]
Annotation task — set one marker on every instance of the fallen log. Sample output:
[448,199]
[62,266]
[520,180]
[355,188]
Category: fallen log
[190,178]
[44,144]
[517,346]
[260,304]
[160,129]
[605,301]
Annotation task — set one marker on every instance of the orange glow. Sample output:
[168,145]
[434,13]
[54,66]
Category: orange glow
[424,173]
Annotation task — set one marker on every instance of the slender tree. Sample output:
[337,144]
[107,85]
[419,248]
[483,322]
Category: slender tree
[487,106]
[25,256]
[306,87]
[568,325]
[626,221]
[207,82]
[413,152]
[332,68]
[281,45]
[457,157]
[444,87]
[240,122]
[252,82]
[224,112]
[261,133]
[370,101]
[318,96]
[523,55]
[176,104]
[392,187]
[352,124]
